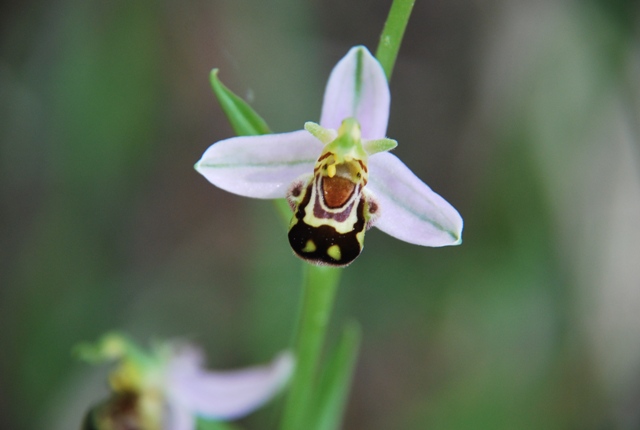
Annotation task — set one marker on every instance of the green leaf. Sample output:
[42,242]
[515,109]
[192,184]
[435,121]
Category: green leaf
[204,424]
[244,120]
[283,209]
[333,390]
[319,290]
[392,34]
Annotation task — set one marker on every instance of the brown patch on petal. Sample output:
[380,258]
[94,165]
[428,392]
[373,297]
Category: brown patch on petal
[325,155]
[373,207]
[296,190]
[337,191]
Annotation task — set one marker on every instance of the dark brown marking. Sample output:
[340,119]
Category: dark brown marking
[326,236]
[296,190]
[299,213]
[337,191]
[325,155]
[121,411]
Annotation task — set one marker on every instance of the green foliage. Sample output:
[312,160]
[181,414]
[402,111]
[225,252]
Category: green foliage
[104,225]
[244,120]
[392,34]
[204,424]
[330,399]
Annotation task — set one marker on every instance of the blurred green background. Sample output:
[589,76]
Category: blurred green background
[524,115]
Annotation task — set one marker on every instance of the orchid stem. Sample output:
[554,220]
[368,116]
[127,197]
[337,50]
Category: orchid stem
[320,283]
[319,290]
[392,33]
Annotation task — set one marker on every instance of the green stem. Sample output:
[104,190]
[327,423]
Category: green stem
[320,283]
[319,288]
[391,37]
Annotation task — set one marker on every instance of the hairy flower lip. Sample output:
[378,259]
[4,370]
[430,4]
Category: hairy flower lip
[265,166]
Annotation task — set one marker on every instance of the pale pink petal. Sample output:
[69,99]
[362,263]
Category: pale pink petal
[259,166]
[227,395]
[179,417]
[357,88]
[409,209]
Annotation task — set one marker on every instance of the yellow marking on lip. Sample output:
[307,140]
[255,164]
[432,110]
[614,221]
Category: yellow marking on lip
[309,246]
[334,252]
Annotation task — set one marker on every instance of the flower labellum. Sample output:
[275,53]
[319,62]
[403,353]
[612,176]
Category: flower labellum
[338,176]
[332,208]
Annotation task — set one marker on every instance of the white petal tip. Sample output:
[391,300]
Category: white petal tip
[284,365]
[410,210]
[227,395]
[456,233]
[457,241]
[357,88]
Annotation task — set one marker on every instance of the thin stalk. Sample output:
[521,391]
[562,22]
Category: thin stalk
[392,33]
[319,289]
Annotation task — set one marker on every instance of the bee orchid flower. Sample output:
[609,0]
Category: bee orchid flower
[338,175]
[168,388]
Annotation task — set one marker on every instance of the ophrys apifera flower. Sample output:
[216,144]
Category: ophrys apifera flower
[338,175]
[168,387]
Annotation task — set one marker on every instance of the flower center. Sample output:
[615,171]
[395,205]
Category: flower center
[336,190]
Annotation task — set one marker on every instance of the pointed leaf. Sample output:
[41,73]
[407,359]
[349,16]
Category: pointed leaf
[333,391]
[244,120]
[204,424]
[320,285]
